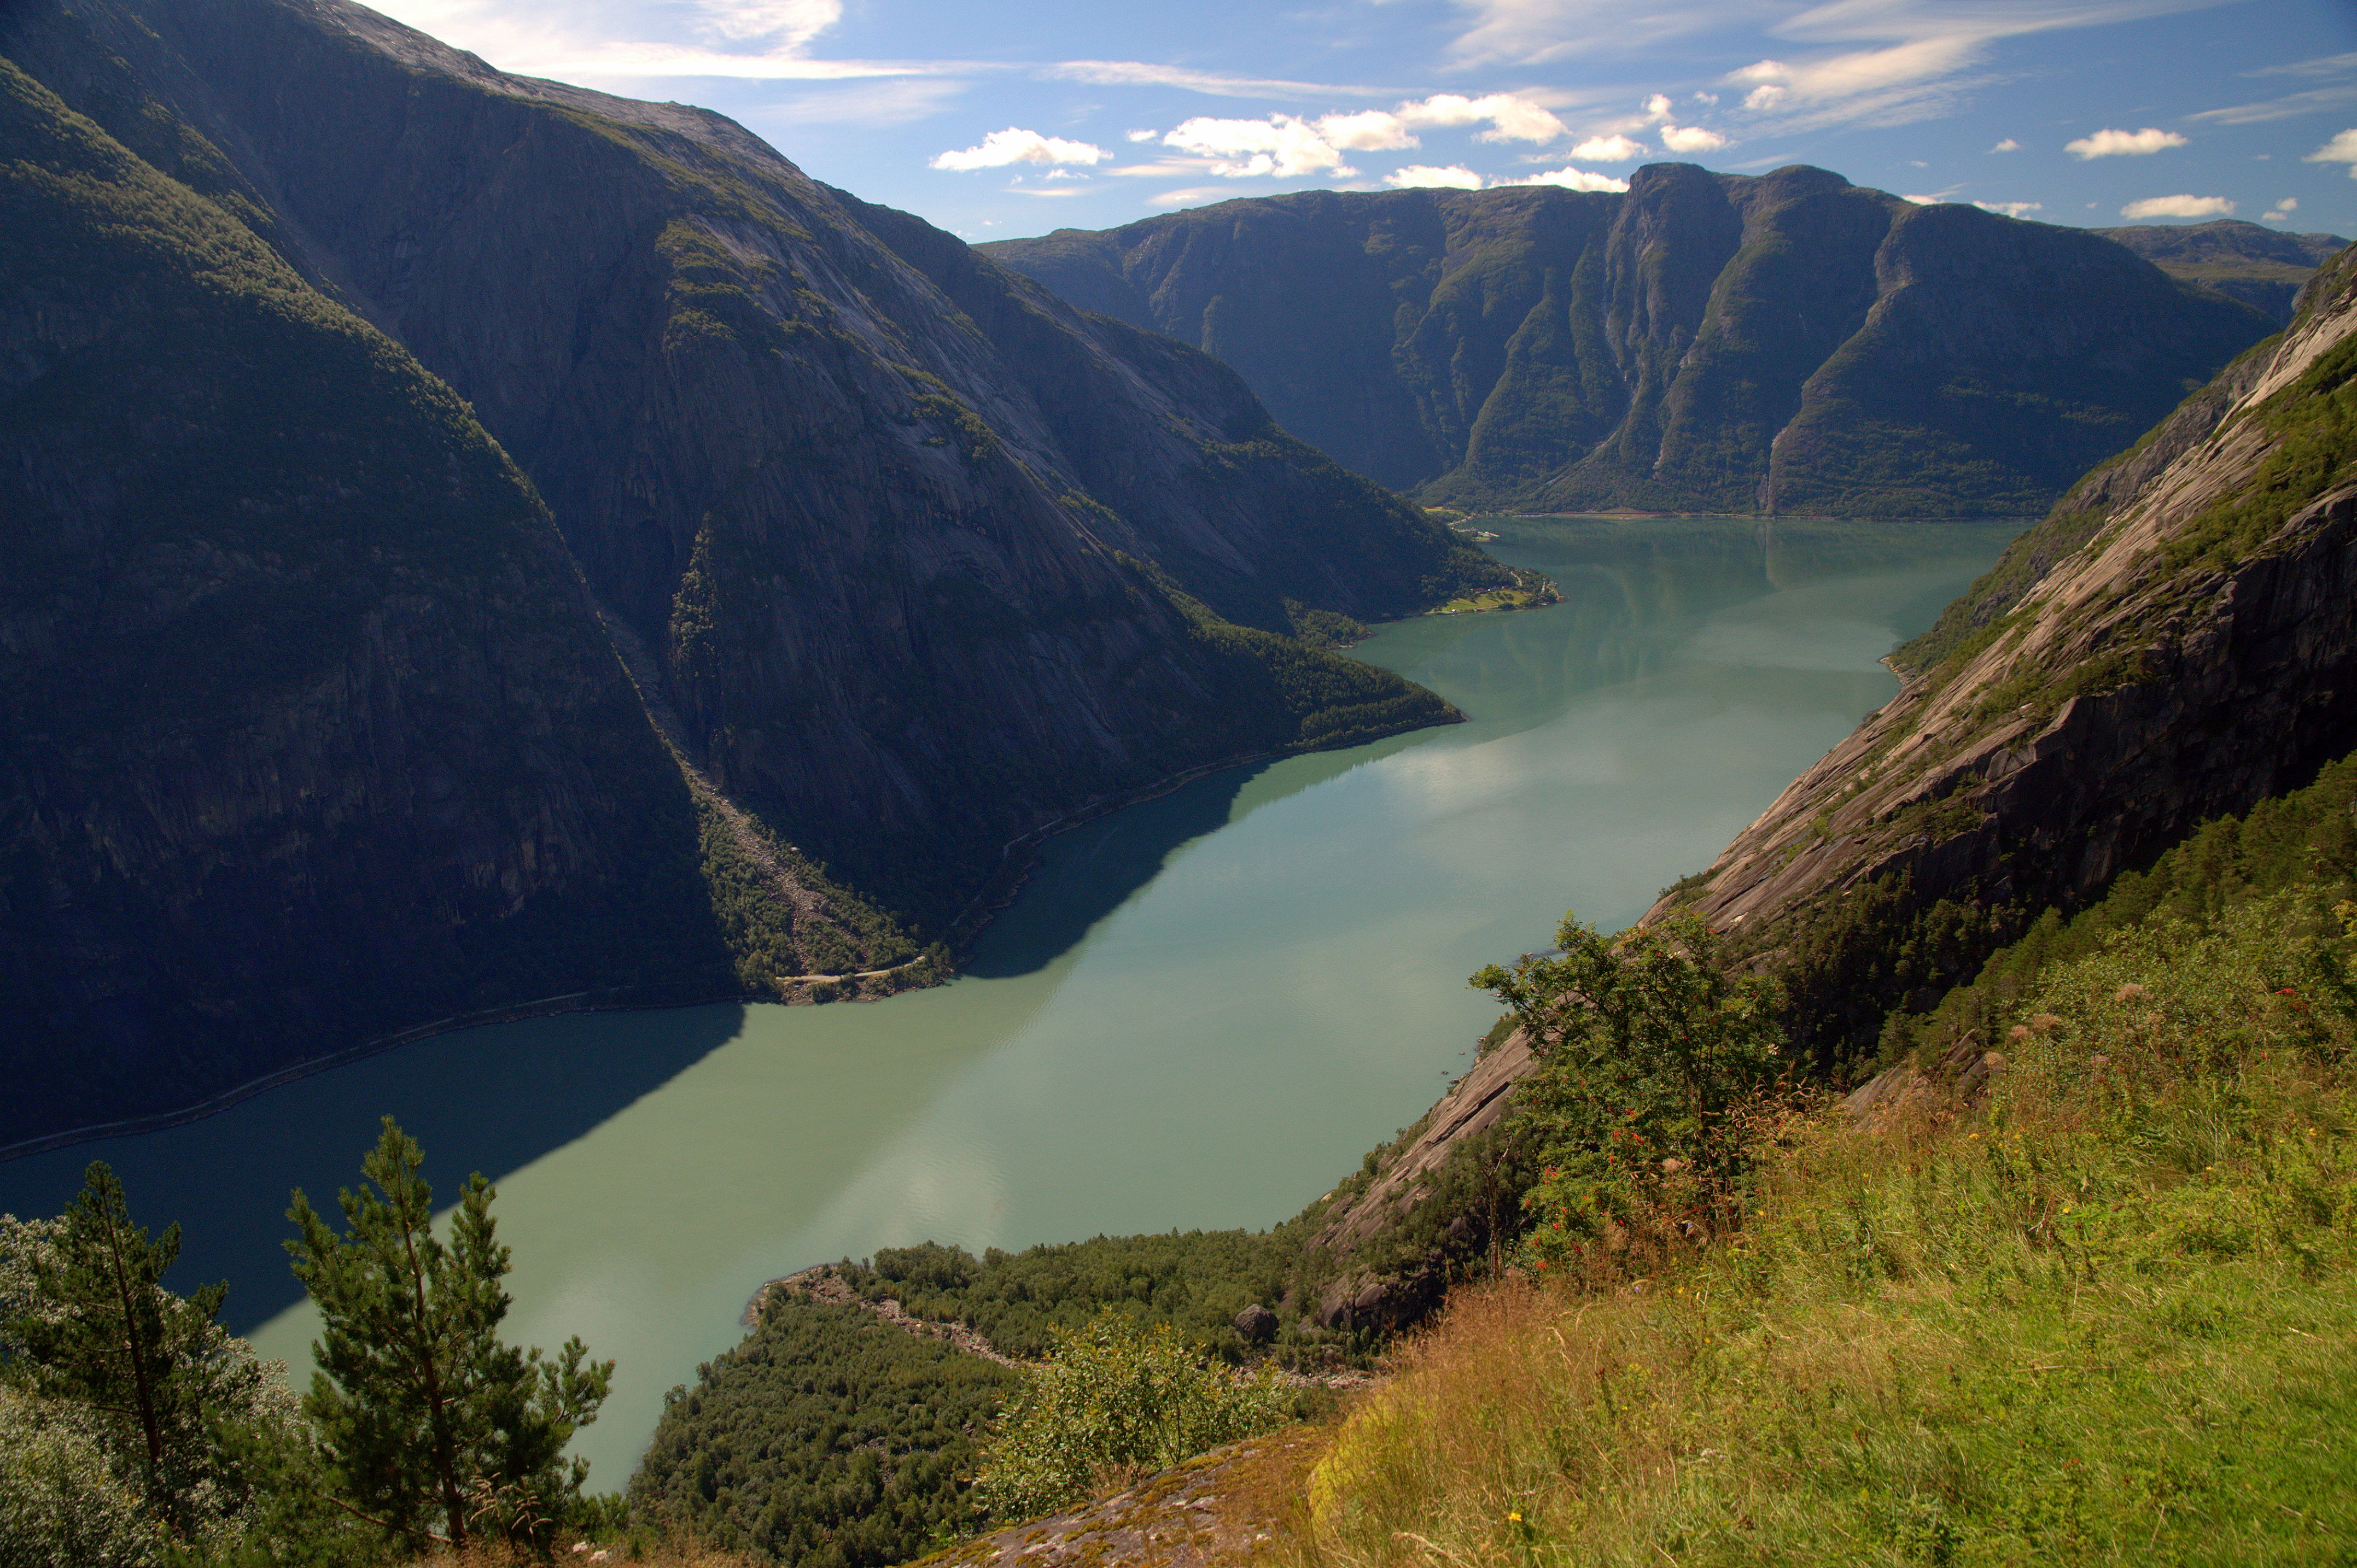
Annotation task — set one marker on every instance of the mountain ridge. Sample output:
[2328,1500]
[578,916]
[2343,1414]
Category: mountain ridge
[1785,342]
[2172,644]
[892,598]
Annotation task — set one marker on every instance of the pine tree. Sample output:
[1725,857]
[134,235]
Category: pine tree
[424,1417]
[101,1330]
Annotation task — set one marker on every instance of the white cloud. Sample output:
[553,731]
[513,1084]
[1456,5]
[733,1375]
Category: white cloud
[1658,107]
[1140,73]
[1189,196]
[789,24]
[1924,200]
[2122,143]
[1288,146]
[1690,139]
[1711,97]
[635,62]
[2180,207]
[2342,149]
[2315,101]
[1572,179]
[1609,150]
[2008,145]
[1140,135]
[1424,176]
[1369,131]
[1909,80]
[2323,65]
[891,100]
[1513,118]
[2011,209]
[1282,144]
[1456,177]
[1012,145]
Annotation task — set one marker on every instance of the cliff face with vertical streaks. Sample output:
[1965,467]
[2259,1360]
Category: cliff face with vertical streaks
[483,540]
[1788,342]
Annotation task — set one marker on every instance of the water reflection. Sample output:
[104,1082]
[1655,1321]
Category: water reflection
[1198,1013]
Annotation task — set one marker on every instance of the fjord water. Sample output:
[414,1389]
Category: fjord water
[1199,1012]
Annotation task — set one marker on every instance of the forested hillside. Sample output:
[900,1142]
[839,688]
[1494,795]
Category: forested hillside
[572,527]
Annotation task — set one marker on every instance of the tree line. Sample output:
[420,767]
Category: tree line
[135,1431]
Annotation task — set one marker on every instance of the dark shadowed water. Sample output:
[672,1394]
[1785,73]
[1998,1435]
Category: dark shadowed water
[1200,1011]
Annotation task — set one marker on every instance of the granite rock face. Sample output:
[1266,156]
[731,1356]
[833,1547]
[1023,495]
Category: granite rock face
[671,505]
[1788,342]
[2194,654]
[2177,641]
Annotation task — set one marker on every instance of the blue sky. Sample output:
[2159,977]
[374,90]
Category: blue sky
[996,120]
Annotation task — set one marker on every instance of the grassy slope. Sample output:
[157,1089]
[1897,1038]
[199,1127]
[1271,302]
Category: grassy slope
[2112,1318]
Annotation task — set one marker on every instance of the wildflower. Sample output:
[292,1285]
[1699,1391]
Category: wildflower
[1514,1517]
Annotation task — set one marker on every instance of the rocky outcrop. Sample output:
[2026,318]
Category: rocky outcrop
[1385,1254]
[1788,342]
[863,559]
[2265,268]
[2178,642]
[2194,655]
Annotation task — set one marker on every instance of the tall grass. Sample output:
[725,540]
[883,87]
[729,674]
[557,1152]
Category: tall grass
[2106,1317]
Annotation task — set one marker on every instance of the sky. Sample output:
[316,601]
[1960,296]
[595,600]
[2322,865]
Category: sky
[997,120]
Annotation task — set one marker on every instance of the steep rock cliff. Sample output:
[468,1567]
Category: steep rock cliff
[888,600]
[2177,641]
[867,558]
[306,728]
[2193,653]
[1788,342]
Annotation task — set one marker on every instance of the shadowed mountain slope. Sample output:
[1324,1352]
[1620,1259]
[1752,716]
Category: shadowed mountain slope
[868,557]
[309,729]
[1789,342]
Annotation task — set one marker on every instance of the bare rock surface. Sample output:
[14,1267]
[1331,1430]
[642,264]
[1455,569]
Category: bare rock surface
[1222,1509]
[2150,662]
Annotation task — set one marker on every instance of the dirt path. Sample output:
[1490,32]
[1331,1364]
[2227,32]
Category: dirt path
[820,1284]
[1237,1505]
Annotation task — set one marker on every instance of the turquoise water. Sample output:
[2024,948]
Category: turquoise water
[1199,1012]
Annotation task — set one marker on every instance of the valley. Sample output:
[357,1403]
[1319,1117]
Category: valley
[1196,1014]
[542,637]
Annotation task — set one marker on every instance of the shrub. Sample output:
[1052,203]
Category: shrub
[2110,1315]
[59,1502]
[1649,1053]
[1112,1398]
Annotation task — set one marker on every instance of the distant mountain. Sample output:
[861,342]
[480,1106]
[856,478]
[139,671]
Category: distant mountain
[1786,343]
[861,556]
[2262,267]
[2175,643]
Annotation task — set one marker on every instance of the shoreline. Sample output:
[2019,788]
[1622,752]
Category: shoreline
[997,892]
